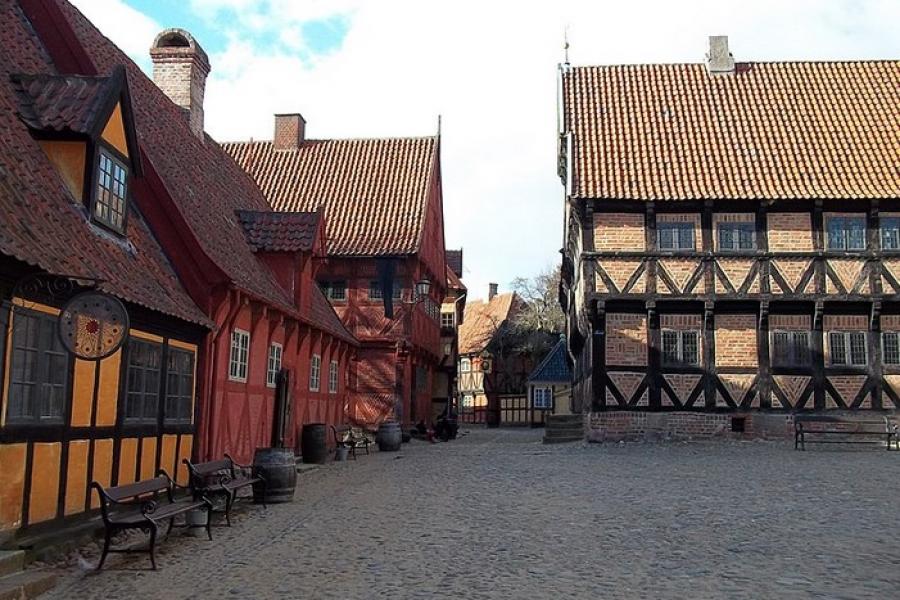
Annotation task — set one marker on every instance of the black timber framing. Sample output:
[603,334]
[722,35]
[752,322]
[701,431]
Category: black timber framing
[598,355]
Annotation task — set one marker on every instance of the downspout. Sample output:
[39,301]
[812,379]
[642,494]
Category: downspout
[213,352]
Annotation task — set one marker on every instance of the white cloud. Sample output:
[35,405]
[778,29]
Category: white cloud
[490,69]
[131,30]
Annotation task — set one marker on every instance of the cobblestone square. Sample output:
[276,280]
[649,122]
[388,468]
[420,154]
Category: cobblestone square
[497,514]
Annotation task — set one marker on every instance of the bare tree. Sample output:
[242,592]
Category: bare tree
[542,312]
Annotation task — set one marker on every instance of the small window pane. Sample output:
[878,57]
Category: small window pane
[891,343]
[689,348]
[110,200]
[838,348]
[670,347]
[666,237]
[686,236]
[142,394]
[39,370]
[858,348]
[890,233]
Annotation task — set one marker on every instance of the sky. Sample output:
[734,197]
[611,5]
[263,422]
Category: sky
[358,68]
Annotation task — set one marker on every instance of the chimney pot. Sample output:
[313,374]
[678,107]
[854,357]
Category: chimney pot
[180,67]
[719,59]
[492,291]
[290,131]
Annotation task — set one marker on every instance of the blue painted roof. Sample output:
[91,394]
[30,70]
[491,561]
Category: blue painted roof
[554,367]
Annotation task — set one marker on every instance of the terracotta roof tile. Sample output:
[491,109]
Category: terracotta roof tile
[279,231]
[374,191]
[62,103]
[767,131]
[482,320]
[453,282]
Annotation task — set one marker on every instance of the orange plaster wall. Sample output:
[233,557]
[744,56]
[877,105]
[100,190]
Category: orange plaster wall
[69,159]
[83,392]
[114,132]
[108,395]
[148,458]
[127,460]
[12,457]
[44,482]
[102,473]
[76,477]
[187,442]
[167,456]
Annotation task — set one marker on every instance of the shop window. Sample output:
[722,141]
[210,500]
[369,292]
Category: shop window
[38,371]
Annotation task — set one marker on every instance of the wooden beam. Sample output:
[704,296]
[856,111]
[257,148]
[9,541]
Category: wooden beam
[654,356]
[598,356]
[709,354]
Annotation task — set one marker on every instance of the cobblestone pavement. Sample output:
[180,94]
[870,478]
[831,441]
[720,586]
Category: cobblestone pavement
[498,515]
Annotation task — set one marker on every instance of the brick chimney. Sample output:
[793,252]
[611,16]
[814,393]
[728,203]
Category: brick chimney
[180,67]
[492,291]
[719,59]
[290,131]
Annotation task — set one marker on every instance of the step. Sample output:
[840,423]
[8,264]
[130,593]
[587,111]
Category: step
[26,585]
[563,434]
[11,561]
[566,429]
[564,419]
[563,440]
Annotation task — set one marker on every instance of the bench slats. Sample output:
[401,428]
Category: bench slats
[140,488]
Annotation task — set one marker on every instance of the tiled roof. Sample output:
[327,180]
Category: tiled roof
[767,131]
[64,103]
[374,191]
[44,226]
[453,282]
[279,231]
[555,366]
[482,320]
[454,260]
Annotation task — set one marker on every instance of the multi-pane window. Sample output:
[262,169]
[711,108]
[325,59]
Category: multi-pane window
[333,377]
[846,233]
[543,398]
[274,364]
[680,347]
[736,237]
[109,202]
[891,347]
[376,293]
[890,233]
[315,366]
[237,363]
[179,386]
[465,365]
[39,370]
[675,235]
[448,320]
[142,381]
[334,290]
[790,349]
[847,348]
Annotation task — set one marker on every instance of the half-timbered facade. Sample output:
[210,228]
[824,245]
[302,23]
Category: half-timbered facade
[453,308]
[383,202]
[732,237]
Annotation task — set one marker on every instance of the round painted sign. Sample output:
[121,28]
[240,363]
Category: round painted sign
[93,325]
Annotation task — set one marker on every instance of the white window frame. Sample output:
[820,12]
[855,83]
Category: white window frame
[542,398]
[333,377]
[680,359]
[465,365]
[885,335]
[239,357]
[679,228]
[273,364]
[315,371]
[450,318]
[847,337]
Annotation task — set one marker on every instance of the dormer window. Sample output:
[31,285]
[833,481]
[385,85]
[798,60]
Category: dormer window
[111,193]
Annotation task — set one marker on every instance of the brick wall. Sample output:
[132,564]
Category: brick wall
[619,231]
[890,322]
[790,232]
[620,425]
[626,339]
[681,322]
[289,132]
[736,341]
[790,322]
[845,323]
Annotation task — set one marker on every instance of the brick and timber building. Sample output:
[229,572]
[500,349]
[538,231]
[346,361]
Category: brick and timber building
[732,241]
[383,202]
[445,388]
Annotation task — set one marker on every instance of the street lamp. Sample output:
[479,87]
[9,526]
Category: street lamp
[423,286]
[420,294]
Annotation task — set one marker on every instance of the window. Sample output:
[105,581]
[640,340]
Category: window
[333,377]
[468,401]
[274,364]
[680,347]
[142,381]
[315,365]
[179,386]
[375,292]
[846,233]
[891,342]
[334,290]
[237,364]
[109,202]
[847,348]
[735,237]
[790,349]
[543,398]
[890,233]
[39,370]
[465,365]
[675,235]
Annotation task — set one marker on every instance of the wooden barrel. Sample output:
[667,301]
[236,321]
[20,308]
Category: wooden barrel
[389,436]
[312,443]
[278,468]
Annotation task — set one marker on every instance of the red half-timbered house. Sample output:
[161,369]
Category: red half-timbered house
[383,202]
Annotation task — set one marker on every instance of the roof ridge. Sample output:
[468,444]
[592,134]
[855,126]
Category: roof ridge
[339,139]
[743,62]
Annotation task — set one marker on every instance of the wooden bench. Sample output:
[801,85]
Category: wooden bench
[144,505]
[350,437]
[844,430]
[224,478]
